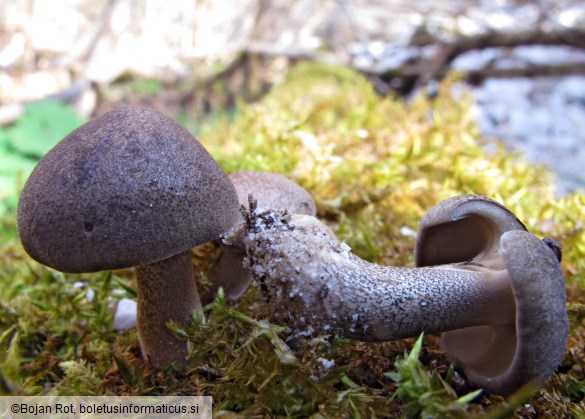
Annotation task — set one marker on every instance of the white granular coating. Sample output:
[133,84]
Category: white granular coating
[312,282]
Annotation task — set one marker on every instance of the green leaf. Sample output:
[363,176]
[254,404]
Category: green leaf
[42,126]
[11,163]
[23,144]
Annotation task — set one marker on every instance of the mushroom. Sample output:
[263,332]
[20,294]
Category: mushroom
[272,191]
[500,358]
[130,188]
[314,284]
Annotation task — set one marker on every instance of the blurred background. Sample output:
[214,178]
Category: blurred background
[63,62]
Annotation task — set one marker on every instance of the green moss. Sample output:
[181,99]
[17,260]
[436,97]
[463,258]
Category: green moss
[426,394]
[374,166]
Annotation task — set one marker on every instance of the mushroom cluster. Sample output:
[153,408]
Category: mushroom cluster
[132,188]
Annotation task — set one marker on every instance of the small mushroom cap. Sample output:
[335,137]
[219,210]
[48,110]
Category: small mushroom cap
[502,358]
[270,191]
[130,187]
[273,191]
[462,228]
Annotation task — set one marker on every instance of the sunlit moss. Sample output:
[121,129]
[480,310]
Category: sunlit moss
[374,167]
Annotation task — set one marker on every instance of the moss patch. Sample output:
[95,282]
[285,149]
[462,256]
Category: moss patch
[374,167]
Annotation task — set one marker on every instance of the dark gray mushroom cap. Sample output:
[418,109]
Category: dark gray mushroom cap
[462,228]
[128,188]
[502,358]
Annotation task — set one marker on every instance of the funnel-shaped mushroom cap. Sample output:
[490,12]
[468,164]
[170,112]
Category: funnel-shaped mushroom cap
[128,188]
[462,228]
[502,358]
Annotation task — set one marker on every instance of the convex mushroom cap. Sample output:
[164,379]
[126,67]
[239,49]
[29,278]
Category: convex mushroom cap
[270,190]
[480,233]
[130,188]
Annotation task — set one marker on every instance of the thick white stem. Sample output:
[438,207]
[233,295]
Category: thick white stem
[315,285]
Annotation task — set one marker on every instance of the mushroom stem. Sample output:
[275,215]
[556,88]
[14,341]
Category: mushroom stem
[316,285]
[377,303]
[229,274]
[166,291]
